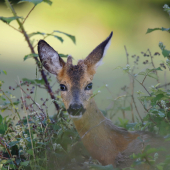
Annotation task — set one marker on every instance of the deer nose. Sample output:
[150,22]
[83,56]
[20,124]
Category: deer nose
[76,109]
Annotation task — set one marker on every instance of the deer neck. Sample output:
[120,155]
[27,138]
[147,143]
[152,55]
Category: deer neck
[91,118]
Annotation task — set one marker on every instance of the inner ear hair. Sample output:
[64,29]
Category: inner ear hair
[96,56]
[49,58]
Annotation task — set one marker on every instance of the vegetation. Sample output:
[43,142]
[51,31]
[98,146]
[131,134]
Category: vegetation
[38,141]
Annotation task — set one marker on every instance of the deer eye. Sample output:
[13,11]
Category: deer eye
[63,87]
[89,86]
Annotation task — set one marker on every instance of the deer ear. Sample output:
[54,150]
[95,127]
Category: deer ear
[50,58]
[96,56]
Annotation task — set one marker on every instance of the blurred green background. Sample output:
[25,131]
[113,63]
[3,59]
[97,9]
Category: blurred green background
[91,21]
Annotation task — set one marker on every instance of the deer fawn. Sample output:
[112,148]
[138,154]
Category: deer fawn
[105,142]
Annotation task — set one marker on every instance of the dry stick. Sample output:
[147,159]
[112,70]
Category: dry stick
[153,64]
[28,14]
[27,119]
[47,85]
[5,146]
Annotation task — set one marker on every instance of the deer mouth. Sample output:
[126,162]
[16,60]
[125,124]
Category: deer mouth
[76,113]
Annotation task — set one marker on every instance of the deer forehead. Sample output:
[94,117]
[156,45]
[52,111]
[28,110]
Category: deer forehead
[75,76]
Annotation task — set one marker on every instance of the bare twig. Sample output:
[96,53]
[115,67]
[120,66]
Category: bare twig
[31,99]
[28,14]
[153,64]
[43,38]
[14,28]
[127,55]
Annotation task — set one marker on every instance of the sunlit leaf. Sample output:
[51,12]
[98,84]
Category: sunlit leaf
[35,2]
[68,35]
[63,55]
[48,2]
[4,72]
[8,19]
[30,56]
[59,38]
[35,33]
[155,29]
[165,53]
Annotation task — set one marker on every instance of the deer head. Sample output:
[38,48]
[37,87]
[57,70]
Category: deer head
[75,80]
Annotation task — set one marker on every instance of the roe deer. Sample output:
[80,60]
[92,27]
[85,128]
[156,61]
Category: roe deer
[105,142]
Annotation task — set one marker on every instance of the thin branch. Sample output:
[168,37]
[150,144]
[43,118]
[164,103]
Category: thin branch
[153,64]
[47,85]
[28,14]
[14,28]
[137,109]
[127,55]
[43,38]
[163,85]
[31,99]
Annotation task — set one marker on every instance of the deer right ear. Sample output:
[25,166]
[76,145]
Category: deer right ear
[50,58]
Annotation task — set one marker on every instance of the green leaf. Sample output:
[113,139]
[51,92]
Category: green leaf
[153,75]
[165,52]
[1,118]
[24,163]
[30,151]
[161,114]
[8,19]
[30,56]
[4,72]
[155,29]
[3,128]
[63,55]
[13,143]
[59,38]
[68,35]
[35,2]
[48,2]
[36,33]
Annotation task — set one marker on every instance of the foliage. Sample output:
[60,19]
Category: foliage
[38,141]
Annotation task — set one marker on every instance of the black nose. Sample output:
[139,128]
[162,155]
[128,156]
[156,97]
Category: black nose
[76,109]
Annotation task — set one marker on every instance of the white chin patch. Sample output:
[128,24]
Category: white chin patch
[76,117]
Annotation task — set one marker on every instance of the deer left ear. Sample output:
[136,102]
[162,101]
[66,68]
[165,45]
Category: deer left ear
[94,59]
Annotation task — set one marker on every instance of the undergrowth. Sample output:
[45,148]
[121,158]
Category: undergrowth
[38,141]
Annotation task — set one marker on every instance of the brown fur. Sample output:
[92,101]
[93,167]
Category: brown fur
[105,142]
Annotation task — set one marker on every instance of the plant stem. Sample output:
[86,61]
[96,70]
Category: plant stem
[47,85]
[153,64]
[28,14]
